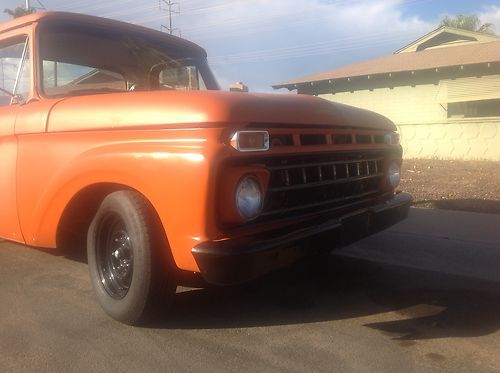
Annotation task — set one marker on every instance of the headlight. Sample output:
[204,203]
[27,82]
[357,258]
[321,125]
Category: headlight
[249,198]
[394,175]
[391,138]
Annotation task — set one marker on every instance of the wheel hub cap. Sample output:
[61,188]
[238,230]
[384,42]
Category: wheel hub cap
[115,256]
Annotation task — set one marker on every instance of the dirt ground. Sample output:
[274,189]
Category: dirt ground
[453,185]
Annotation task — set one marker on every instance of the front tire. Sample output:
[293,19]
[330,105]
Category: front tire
[130,270]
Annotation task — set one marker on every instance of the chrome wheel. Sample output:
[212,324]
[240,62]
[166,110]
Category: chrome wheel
[115,258]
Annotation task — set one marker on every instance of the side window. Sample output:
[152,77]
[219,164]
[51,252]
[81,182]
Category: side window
[14,70]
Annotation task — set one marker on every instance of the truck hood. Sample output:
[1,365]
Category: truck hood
[169,109]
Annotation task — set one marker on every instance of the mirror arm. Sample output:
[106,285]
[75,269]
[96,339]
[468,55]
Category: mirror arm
[7,92]
[14,99]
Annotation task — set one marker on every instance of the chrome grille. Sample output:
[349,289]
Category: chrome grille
[320,183]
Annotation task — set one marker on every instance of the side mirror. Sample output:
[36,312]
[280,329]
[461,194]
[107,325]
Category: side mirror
[238,87]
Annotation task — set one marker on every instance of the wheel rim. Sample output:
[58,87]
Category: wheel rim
[114,256]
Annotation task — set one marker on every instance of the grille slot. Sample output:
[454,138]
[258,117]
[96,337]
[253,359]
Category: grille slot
[280,140]
[313,139]
[321,183]
[363,139]
[342,139]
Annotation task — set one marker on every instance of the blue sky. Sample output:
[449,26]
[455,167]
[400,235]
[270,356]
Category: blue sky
[262,42]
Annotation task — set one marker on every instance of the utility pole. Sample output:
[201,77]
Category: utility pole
[170,9]
[27,6]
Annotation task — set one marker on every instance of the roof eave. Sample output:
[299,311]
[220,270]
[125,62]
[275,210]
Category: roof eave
[295,84]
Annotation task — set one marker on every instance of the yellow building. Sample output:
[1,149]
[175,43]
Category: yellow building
[442,91]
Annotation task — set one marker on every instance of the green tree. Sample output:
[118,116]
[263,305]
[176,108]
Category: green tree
[19,11]
[468,22]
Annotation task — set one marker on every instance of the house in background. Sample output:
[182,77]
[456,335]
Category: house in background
[442,91]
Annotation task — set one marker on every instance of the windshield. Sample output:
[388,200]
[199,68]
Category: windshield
[76,60]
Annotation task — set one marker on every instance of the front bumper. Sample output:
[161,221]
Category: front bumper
[238,260]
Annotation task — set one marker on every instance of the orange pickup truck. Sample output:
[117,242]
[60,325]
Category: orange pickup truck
[116,138]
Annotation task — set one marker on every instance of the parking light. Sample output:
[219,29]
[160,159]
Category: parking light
[250,141]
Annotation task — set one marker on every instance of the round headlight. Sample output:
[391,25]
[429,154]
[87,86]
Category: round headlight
[249,198]
[394,174]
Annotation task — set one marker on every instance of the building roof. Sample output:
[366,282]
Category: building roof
[442,51]
[445,36]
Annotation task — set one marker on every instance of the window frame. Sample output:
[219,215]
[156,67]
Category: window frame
[465,106]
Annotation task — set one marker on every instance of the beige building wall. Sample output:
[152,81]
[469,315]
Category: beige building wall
[401,104]
[420,112]
[458,139]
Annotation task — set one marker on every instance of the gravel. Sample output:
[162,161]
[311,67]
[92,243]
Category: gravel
[453,185]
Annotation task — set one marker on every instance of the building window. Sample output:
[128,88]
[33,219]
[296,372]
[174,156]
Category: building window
[474,109]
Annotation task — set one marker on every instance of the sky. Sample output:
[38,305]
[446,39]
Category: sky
[264,42]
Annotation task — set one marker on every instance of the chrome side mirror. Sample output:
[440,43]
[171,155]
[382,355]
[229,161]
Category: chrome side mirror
[238,87]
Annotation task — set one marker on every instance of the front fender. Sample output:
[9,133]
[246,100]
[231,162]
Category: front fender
[170,168]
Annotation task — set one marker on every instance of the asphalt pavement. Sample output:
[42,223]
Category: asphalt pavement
[453,242]
[422,296]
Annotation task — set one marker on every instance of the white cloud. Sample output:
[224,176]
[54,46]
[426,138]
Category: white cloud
[491,14]
[315,18]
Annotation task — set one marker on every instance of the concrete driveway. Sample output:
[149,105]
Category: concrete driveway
[423,296]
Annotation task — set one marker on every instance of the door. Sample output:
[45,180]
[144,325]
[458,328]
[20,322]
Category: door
[15,85]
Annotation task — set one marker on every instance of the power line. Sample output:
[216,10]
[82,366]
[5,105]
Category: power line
[170,4]
[41,6]
[323,48]
[209,30]
[193,11]
[244,24]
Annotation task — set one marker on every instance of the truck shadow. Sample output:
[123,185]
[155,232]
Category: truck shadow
[420,304]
